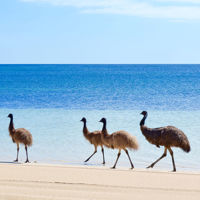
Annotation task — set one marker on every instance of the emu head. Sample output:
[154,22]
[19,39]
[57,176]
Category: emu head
[83,120]
[10,115]
[144,113]
[103,120]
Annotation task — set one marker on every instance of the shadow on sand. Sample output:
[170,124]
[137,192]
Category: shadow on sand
[9,162]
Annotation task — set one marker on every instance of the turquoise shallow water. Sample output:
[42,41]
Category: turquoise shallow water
[50,100]
[58,136]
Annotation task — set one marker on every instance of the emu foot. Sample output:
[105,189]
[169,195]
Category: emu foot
[150,166]
[174,170]
[112,167]
[27,161]
[86,160]
[104,163]
[15,160]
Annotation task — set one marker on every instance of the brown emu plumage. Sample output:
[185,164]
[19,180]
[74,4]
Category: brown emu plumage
[121,140]
[94,138]
[168,136]
[20,135]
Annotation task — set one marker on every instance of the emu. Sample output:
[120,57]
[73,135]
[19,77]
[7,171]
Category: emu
[18,136]
[120,140]
[94,138]
[168,136]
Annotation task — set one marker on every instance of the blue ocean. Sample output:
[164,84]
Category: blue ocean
[50,100]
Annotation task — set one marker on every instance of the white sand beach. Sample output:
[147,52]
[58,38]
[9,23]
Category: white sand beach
[43,181]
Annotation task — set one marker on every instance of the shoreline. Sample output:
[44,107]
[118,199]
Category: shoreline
[53,181]
[161,167]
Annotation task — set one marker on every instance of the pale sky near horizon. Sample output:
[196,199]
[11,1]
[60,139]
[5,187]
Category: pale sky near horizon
[100,31]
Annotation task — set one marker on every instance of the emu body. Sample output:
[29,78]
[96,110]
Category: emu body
[120,140]
[94,138]
[20,136]
[168,136]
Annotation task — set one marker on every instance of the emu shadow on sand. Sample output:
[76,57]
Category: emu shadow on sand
[18,136]
[168,136]
[118,140]
[94,138]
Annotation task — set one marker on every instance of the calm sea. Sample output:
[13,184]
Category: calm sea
[50,100]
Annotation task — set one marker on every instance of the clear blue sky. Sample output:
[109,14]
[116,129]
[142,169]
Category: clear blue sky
[100,31]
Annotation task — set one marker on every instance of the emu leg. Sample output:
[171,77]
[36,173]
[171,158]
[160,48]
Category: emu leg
[164,154]
[132,166]
[17,153]
[102,150]
[171,152]
[118,155]
[95,150]
[26,154]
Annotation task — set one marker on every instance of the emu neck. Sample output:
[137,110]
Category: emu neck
[143,128]
[85,130]
[11,126]
[143,120]
[104,130]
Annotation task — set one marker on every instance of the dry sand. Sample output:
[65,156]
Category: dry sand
[37,181]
